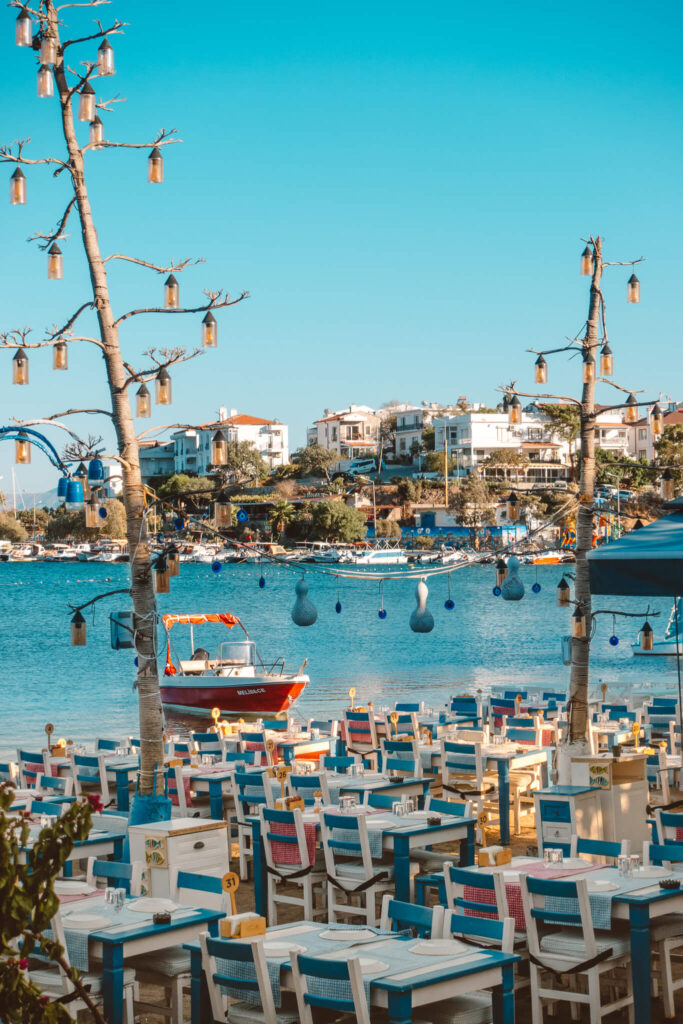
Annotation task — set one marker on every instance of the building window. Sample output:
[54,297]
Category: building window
[642,434]
[334,433]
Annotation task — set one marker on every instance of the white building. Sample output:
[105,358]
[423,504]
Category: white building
[156,459]
[413,421]
[473,436]
[612,434]
[346,432]
[642,440]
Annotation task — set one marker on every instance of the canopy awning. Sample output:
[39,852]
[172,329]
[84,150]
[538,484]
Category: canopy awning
[198,620]
[645,563]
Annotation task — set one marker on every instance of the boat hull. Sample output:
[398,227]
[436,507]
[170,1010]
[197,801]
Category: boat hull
[659,648]
[242,695]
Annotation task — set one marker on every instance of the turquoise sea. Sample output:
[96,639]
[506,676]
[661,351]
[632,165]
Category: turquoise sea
[88,691]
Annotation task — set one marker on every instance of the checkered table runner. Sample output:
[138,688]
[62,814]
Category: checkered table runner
[513,892]
[288,853]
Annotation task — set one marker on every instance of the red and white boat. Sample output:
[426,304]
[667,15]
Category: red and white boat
[237,680]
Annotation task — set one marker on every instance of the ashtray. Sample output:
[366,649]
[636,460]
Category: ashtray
[434,820]
[670,883]
[162,917]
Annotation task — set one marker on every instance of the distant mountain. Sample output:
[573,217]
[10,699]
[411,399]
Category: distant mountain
[25,500]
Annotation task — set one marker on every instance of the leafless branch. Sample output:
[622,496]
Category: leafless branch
[216,301]
[109,593]
[626,263]
[169,357]
[105,105]
[174,268]
[16,338]
[627,615]
[90,67]
[510,389]
[114,30]
[627,391]
[552,351]
[165,426]
[58,233]
[80,449]
[71,321]
[90,3]
[624,405]
[7,156]
[163,138]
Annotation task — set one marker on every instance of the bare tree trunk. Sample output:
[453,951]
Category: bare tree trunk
[142,589]
[578,687]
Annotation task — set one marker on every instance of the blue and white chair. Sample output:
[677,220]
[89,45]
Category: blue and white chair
[57,789]
[237,970]
[462,773]
[401,758]
[604,851]
[313,977]
[360,735]
[352,874]
[339,764]
[667,931]
[112,873]
[423,922]
[306,786]
[288,862]
[251,790]
[89,772]
[30,765]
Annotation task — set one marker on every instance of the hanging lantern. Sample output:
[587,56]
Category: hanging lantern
[563,593]
[173,560]
[646,637]
[657,421]
[22,450]
[96,132]
[23,29]
[143,402]
[633,289]
[219,449]
[171,293]
[78,630]
[222,514]
[81,474]
[512,506]
[667,485]
[55,263]
[606,361]
[587,262]
[48,50]
[60,356]
[17,188]
[162,577]
[96,471]
[155,167]
[46,83]
[163,387]
[631,412]
[105,58]
[541,371]
[20,367]
[92,516]
[74,492]
[638,525]
[86,103]
[578,623]
[588,367]
[515,411]
[209,331]
[501,571]
[61,486]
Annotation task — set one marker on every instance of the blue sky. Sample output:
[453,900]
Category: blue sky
[403,191]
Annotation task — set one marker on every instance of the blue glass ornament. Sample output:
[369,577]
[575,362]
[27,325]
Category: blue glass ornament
[242,516]
[96,471]
[449,605]
[178,523]
[216,567]
[382,613]
[337,607]
[497,591]
[137,661]
[614,641]
[262,582]
[102,512]
[61,486]
[536,587]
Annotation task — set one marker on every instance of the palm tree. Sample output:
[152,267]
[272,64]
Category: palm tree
[280,516]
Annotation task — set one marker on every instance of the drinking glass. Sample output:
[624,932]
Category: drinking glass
[635,863]
[410,805]
[400,810]
[395,806]
[546,855]
[109,894]
[207,759]
[119,900]
[623,865]
[194,760]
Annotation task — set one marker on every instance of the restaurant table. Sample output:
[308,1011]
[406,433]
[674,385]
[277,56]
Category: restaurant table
[404,834]
[99,844]
[506,761]
[290,749]
[410,981]
[119,769]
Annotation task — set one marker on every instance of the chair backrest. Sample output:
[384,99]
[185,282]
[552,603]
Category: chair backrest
[56,785]
[101,743]
[175,788]
[457,880]
[110,821]
[45,807]
[338,764]
[8,771]
[124,876]
[607,850]
[458,808]
[669,702]
[276,724]
[664,854]
[539,899]
[326,726]
[194,890]
[498,933]
[345,837]
[401,757]
[523,734]
[256,741]
[406,725]
[425,922]
[657,770]
[207,742]
[312,977]
[242,970]
[134,741]
[284,838]
[306,786]
[31,765]
[551,696]
[669,825]
[417,706]
[466,707]
[251,790]
[360,731]
[250,757]
[384,800]
[462,761]
[90,770]
[512,694]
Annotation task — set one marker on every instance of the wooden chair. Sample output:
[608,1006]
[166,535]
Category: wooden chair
[31,765]
[256,741]
[289,862]
[603,850]
[401,758]
[360,735]
[313,977]
[462,772]
[351,871]
[339,764]
[666,932]
[432,861]
[306,786]
[238,968]
[251,790]
[589,957]
[124,876]
[424,922]
[58,789]
[103,744]
[89,772]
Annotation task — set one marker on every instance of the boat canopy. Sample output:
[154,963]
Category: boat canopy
[193,620]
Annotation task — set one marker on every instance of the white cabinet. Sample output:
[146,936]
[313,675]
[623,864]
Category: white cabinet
[622,785]
[199,845]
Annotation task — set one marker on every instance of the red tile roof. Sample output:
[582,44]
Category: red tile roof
[241,420]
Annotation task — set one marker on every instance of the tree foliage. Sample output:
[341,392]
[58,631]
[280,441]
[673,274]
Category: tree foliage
[280,516]
[314,460]
[12,529]
[66,525]
[333,520]
[387,528]
[244,461]
[670,452]
[434,463]
[428,439]
[615,470]
[472,502]
[181,483]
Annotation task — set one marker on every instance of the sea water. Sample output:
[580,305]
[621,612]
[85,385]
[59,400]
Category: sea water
[88,691]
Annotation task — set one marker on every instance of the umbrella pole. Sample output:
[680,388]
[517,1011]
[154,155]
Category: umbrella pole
[678,667]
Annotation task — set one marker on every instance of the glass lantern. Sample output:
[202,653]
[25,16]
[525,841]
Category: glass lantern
[631,412]
[163,387]
[162,578]
[22,450]
[17,188]
[46,82]
[587,262]
[173,560]
[20,367]
[60,356]
[92,514]
[512,506]
[579,624]
[222,514]
[55,263]
[105,58]
[209,331]
[667,485]
[23,30]
[606,361]
[541,371]
[81,475]
[48,50]
[657,421]
[86,103]
[143,402]
[501,571]
[155,167]
[646,637]
[78,630]
[219,449]
[96,132]
[171,293]
[588,367]
[633,289]
[515,412]
[563,593]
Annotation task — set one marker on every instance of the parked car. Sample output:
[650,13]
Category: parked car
[626,495]
[560,485]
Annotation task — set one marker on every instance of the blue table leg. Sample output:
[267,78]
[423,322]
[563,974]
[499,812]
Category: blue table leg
[504,998]
[68,869]
[504,801]
[402,867]
[216,799]
[122,794]
[287,753]
[639,922]
[112,983]
[400,1007]
[200,1004]
[545,769]
[467,847]
[260,875]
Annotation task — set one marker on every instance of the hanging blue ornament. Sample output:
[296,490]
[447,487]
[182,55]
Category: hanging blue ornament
[536,588]
[421,619]
[513,588]
[382,613]
[137,661]
[304,612]
[337,607]
[614,641]
[449,605]
[262,582]
[242,516]
[216,567]
[102,512]
[497,591]
[178,523]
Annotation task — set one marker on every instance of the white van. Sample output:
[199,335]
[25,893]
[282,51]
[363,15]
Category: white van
[361,467]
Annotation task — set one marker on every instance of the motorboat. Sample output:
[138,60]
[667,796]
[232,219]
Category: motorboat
[382,554]
[668,645]
[237,680]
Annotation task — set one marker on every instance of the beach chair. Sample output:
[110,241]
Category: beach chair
[170,968]
[123,876]
[352,874]
[238,970]
[424,922]
[306,786]
[251,790]
[290,860]
[314,976]
[590,957]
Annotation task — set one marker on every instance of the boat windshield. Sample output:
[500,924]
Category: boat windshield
[236,652]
